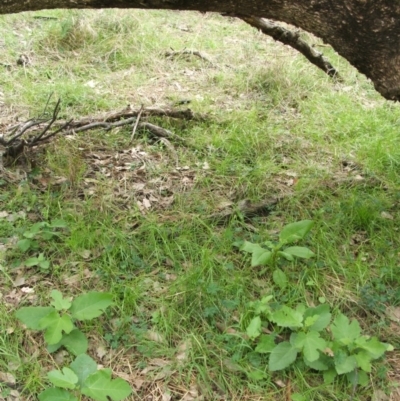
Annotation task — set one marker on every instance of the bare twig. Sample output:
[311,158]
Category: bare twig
[136,123]
[292,39]
[52,120]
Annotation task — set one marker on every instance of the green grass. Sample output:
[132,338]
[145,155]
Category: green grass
[274,127]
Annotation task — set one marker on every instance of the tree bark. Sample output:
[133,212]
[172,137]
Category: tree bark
[365,32]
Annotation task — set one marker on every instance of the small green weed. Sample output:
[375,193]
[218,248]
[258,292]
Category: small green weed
[34,236]
[58,323]
[270,253]
[332,347]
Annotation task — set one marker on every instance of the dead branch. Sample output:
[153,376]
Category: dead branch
[174,54]
[292,39]
[136,124]
[247,209]
[160,132]
[40,128]
[13,140]
[127,116]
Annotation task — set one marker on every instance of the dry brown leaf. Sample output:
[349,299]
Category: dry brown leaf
[393,313]
[183,352]
[60,356]
[27,290]
[329,352]
[146,203]
[192,394]
[154,336]
[379,395]
[224,205]
[7,378]
[138,383]
[166,396]
[231,366]
[280,383]
[101,351]
[387,216]
[205,166]
[13,365]
[138,186]
[19,281]
[86,253]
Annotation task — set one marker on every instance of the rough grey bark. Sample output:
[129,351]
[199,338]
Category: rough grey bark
[365,32]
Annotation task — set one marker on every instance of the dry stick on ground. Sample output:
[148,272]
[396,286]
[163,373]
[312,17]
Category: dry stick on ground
[292,39]
[15,144]
[136,123]
[173,54]
[247,209]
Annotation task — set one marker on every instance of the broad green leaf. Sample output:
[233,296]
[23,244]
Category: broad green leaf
[357,378]
[300,252]
[59,302]
[329,376]
[310,343]
[320,364]
[298,397]
[51,348]
[65,379]
[75,342]
[266,344]
[254,328]
[47,234]
[344,331]
[345,365]
[262,306]
[45,264]
[31,262]
[280,278]
[310,320]
[260,255]
[83,366]
[58,223]
[287,317]
[90,305]
[30,316]
[261,258]
[287,256]
[34,229]
[256,375]
[55,325]
[295,231]
[100,386]
[56,394]
[324,317]
[250,247]
[373,346]
[282,356]
[24,244]
[363,359]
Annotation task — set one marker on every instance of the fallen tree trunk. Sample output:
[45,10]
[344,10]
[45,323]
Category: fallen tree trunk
[365,32]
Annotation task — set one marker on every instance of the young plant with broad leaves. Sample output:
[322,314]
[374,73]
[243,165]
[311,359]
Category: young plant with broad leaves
[312,339]
[34,236]
[58,323]
[269,253]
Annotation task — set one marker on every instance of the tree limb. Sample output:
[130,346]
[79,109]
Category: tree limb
[292,39]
